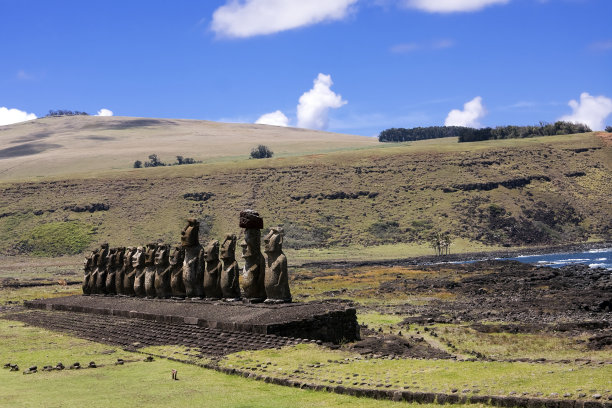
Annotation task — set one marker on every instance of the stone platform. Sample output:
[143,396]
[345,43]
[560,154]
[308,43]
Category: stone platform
[325,321]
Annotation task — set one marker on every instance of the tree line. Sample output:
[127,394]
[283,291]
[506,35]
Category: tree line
[64,112]
[468,134]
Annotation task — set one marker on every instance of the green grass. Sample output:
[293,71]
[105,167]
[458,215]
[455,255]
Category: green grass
[318,365]
[59,238]
[137,383]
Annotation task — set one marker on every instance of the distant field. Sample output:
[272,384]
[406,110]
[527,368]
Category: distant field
[60,146]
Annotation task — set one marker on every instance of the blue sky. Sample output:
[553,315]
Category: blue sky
[384,63]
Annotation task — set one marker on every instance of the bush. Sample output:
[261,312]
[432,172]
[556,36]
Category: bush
[261,152]
[137,164]
[154,161]
[609,129]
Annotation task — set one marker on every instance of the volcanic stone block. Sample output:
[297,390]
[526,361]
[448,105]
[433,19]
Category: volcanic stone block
[250,219]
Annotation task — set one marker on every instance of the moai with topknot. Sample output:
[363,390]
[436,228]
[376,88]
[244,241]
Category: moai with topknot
[162,273]
[150,270]
[229,282]
[193,267]
[253,272]
[212,271]
[138,262]
[277,277]
[177,257]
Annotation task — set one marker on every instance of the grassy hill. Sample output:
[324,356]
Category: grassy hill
[336,195]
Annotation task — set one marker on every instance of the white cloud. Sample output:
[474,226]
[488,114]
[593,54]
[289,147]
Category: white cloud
[472,112]
[451,6]
[247,18]
[591,110]
[410,47]
[314,105]
[105,112]
[8,116]
[276,118]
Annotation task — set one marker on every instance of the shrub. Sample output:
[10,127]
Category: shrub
[609,129]
[137,164]
[261,152]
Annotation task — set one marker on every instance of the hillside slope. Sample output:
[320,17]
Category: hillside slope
[62,146]
[536,191]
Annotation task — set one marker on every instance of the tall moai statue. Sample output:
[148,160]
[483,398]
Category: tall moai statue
[111,268]
[193,267]
[212,271]
[162,273]
[88,268]
[253,272]
[177,257]
[138,263]
[129,273]
[150,270]
[99,275]
[277,278]
[121,271]
[229,282]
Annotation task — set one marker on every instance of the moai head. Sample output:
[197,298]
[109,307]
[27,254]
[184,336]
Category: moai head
[161,255]
[138,258]
[177,255]
[228,247]
[127,256]
[211,252]
[110,257]
[119,255]
[251,243]
[103,254]
[273,241]
[189,235]
[90,260]
[150,253]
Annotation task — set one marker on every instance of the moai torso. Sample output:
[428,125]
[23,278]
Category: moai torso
[162,273]
[150,270]
[212,271]
[128,272]
[111,272]
[138,263]
[254,268]
[176,270]
[277,278]
[99,281]
[193,267]
[229,282]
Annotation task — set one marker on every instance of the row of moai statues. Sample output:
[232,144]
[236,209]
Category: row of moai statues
[195,271]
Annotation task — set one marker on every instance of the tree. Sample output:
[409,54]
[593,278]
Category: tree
[137,164]
[261,152]
[154,161]
[609,129]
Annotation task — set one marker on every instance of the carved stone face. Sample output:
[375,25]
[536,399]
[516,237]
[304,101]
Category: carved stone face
[228,247]
[251,242]
[177,255]
[189,235]
[211,252]
[127,257]
[110,258]
[273,241]
[137,258]
[150,253]
[161,255]
[103,254]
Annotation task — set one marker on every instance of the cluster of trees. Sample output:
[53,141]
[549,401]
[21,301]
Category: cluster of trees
[64,112]
[467,134]
[261,152]
[154,161]
[440,242]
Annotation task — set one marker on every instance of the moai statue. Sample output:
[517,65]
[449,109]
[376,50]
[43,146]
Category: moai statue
[99,275]
[277,278]
[176,271]
[111,271]
[212,271]
[138,263]
[128,272]
[193,264]
[88,268]
[254,264]
[229,282]
[150,270]
[120,274]
[162,273]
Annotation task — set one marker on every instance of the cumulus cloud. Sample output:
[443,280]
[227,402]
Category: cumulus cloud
[590,110]
[276,118]
[314,105]
[8,116]
[248,18]
[451,6]
[472,112]
[104,112]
